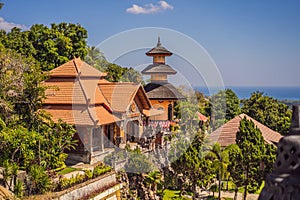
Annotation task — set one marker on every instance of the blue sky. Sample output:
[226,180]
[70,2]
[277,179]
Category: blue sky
[253,43]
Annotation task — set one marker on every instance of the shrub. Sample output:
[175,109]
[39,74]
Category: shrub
[19,188]
[39,181]
[88,174]
[100,169]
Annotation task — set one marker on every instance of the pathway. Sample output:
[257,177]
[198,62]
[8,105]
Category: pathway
[231,195]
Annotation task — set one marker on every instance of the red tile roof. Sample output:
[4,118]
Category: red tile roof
[76,67]
[73,95]
[78,94]
[226,134]
[121,95]
[73,115]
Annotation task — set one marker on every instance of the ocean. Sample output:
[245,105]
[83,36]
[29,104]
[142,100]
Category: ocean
[281,93]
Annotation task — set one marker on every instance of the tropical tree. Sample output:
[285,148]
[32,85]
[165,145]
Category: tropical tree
[21,92]
[251,143]
[39,181]
[96,59]
[131,75]
[9,173]
[220,161]
[116,73]
[235,167]
[51,46]
[203,103]
[270,158]
[153,179]
[18,41]
[138,163]
[224,106]
[57,139]
[189,161]
[268,111]
[186,112]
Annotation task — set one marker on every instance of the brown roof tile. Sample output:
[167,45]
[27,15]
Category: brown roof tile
[226,134]
[120,95]
[63,92]
[70,114]
[76,67]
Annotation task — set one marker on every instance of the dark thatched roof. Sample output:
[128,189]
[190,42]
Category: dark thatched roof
[162,90]
[156,68]
[159,49]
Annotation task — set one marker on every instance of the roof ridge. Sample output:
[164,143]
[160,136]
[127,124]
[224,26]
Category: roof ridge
[133,95]
[85,95]
[105,97]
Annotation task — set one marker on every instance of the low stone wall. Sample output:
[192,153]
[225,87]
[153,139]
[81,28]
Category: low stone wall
[84,189]
[112,193]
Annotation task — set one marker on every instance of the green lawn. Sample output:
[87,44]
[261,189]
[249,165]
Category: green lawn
[173,195]
[241,189]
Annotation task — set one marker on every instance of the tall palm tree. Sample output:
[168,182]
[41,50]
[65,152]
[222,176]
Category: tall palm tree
[220,160]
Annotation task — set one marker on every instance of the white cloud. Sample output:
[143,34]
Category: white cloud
[149,8]
[7,26]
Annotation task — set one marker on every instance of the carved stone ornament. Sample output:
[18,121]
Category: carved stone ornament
[284,182]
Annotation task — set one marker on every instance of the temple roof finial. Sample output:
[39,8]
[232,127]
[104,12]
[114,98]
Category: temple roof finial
[158,42]
[159,49]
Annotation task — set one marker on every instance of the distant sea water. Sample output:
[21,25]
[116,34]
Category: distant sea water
[281,93]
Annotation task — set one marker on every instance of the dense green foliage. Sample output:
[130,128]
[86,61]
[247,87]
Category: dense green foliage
[188,161]
[21,93]
[224,106]
[248,157]
[115,73]
[96,59]
[138,163]
[28,137]
[220,161]
[51,46]
[268,111]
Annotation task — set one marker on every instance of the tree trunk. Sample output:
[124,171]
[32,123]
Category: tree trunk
[194,189]
[219,195]
[227,184]
[235,193]
[245,192]
[245,185]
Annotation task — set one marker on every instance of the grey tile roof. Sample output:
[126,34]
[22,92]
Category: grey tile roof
[158,68]
[162,90]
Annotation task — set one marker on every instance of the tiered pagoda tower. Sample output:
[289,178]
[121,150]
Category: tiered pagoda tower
[162,94]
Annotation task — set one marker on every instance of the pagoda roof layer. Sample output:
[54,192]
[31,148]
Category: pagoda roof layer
[162,90]
[226,134]
[158,68]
